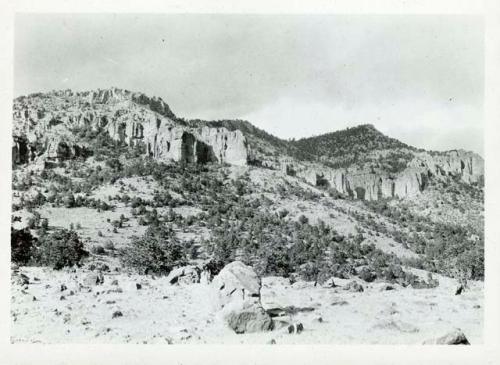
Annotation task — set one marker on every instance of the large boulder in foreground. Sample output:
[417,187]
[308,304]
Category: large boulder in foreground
[237,282]
[243,318]
[455,337]
[237,295]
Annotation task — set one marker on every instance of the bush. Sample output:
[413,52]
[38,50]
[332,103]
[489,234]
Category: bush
[309,271]
[21,245]
[98,250]
[69,200]
[59,249]
[109,245]
[157,251]
[367,275]
[303,219]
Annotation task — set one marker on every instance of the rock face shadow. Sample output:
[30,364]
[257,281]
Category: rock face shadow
[195,151]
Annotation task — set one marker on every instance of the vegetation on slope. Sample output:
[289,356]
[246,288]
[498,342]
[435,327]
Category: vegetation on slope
[240,220]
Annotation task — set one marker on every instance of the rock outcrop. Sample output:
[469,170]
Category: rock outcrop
[468,166]
[198,145]
[237,295]
[44,127]
[455,337]
[367,185]
[410,182]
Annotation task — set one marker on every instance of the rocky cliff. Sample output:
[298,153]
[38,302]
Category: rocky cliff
[373,185]
[47,128]
[44,126]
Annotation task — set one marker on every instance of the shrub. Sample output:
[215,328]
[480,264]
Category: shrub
[303,219]
[21,245]
[98,250]
[59,249]
[157,251]
[32,222]
[109,245]
[367,275]
[309,271]
[69,200]
[283,213]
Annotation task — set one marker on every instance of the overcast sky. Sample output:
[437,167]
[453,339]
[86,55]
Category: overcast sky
[416,78]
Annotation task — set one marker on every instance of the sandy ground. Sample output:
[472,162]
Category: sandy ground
[164,313]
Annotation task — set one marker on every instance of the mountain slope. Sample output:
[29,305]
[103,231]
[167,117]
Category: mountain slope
[115,186]
[360,162]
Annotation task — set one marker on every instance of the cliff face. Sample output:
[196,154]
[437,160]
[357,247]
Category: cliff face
[199,145]
[46,128]
[127,117]
[467,166]
[366,185]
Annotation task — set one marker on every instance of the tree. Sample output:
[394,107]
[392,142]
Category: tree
[59,249]
[21,246]
[157,251]
[69,200]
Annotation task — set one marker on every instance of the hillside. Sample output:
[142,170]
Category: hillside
[349,146]
[114,184]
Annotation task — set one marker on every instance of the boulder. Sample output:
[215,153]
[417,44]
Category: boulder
[184,275]
[22,279]
[93,279]
[281,321]
[237,295]
[237,282]
[395,325]
[295,328]
[387,287]
[205,277]
[353,286]
[246,318]
[455,337]
[330,283]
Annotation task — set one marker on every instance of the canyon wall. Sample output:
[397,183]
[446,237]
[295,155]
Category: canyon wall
[465,166]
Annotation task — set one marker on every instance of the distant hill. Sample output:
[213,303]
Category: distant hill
[364,138]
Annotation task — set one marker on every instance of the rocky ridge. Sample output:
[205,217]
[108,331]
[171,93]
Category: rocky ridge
[44,127]
[367,184]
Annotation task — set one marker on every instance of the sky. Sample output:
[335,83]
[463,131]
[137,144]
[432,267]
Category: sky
[417,78]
